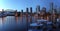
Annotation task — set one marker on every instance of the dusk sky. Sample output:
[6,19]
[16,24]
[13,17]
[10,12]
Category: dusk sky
[23,4]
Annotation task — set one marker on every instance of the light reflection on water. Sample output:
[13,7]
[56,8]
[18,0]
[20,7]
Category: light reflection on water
[12,23]
[0,21]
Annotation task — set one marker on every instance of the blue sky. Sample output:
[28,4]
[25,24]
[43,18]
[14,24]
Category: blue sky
[23,4]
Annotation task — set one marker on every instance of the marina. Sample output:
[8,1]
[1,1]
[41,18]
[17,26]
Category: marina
[12,23]
[28,21]
[35,17]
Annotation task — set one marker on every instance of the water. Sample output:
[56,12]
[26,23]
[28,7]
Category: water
[12,23]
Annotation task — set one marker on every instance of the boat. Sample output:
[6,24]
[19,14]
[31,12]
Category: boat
[3,14]
[41,20]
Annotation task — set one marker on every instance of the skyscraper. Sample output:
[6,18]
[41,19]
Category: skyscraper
[22,11]
[51,7]
[2,10]
[54,11]
[30,9]
[44,9]
[58,10]
[38,9]
[27,10]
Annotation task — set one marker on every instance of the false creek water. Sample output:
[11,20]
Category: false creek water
[13,23]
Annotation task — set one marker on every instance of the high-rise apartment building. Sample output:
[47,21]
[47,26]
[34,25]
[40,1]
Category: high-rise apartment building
[30,9]
[51,7]
[27,10]
[38,9]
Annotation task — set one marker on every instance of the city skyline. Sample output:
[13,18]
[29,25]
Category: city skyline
[23,4]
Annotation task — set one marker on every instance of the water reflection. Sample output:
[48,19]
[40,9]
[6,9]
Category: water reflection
[21,19]
[12,23]
[16,19]
[1,21]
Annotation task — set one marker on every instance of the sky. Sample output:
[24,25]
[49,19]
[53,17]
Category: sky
[23,4]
